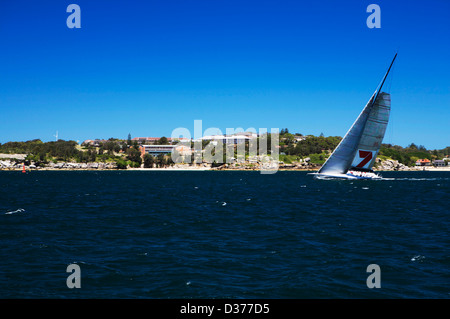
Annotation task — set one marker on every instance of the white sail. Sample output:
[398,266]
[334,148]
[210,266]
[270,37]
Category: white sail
[340,161]
[360,146]
[373,133]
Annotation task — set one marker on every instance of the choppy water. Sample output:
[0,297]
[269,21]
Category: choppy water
[138,234]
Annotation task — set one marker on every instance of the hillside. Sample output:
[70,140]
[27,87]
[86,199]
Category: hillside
[295,150]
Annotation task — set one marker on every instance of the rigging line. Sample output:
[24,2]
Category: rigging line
[378,90]
[391,79]
[391,128]
[392,117]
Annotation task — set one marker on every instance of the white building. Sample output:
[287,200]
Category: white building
[234,139]
[156,150]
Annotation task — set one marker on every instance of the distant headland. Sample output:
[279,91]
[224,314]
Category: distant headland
[295,152]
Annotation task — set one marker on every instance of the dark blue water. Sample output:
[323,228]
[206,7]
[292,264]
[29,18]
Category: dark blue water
[241,234]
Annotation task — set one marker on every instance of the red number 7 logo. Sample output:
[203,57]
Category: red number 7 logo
[366,155]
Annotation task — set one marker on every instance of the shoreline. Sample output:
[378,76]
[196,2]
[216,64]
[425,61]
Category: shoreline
[429,169]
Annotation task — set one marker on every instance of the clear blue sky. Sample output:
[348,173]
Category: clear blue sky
[148,67]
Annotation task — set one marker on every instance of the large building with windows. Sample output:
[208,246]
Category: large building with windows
[156,150]
[233,139]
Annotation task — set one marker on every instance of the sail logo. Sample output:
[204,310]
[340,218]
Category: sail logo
[362,159]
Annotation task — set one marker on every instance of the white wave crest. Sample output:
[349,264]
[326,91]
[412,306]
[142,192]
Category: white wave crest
[20,210]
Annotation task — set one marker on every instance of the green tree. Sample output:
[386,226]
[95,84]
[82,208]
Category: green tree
[149,160]
[163,141]
[284,131]
[170,161]
[160,160]
[91,155]
[134,155]
[121,164]
[288,138]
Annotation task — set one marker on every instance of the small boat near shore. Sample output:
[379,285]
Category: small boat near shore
[355,155]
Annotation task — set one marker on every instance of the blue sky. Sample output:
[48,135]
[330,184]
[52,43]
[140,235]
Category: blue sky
[148,67]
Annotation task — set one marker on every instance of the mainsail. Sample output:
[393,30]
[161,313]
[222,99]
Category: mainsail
[359,147]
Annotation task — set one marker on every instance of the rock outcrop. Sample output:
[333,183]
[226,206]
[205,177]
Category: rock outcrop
[390,165]
[12,164]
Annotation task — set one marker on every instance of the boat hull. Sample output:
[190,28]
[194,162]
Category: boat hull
[344,176]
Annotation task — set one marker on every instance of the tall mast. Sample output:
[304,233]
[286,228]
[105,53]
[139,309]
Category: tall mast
[384,78]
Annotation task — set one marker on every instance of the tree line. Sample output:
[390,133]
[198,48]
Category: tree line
[61,150]
[126,152]
[410,154]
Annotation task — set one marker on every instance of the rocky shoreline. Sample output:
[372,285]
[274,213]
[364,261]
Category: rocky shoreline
[385,165]
[393,165]
[390,165]
[11,165]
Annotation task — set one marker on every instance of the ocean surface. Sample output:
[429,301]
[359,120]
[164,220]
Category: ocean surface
[216,234]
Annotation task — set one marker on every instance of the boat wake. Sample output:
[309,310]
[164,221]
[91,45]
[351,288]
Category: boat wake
[379,178]
[415,179]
